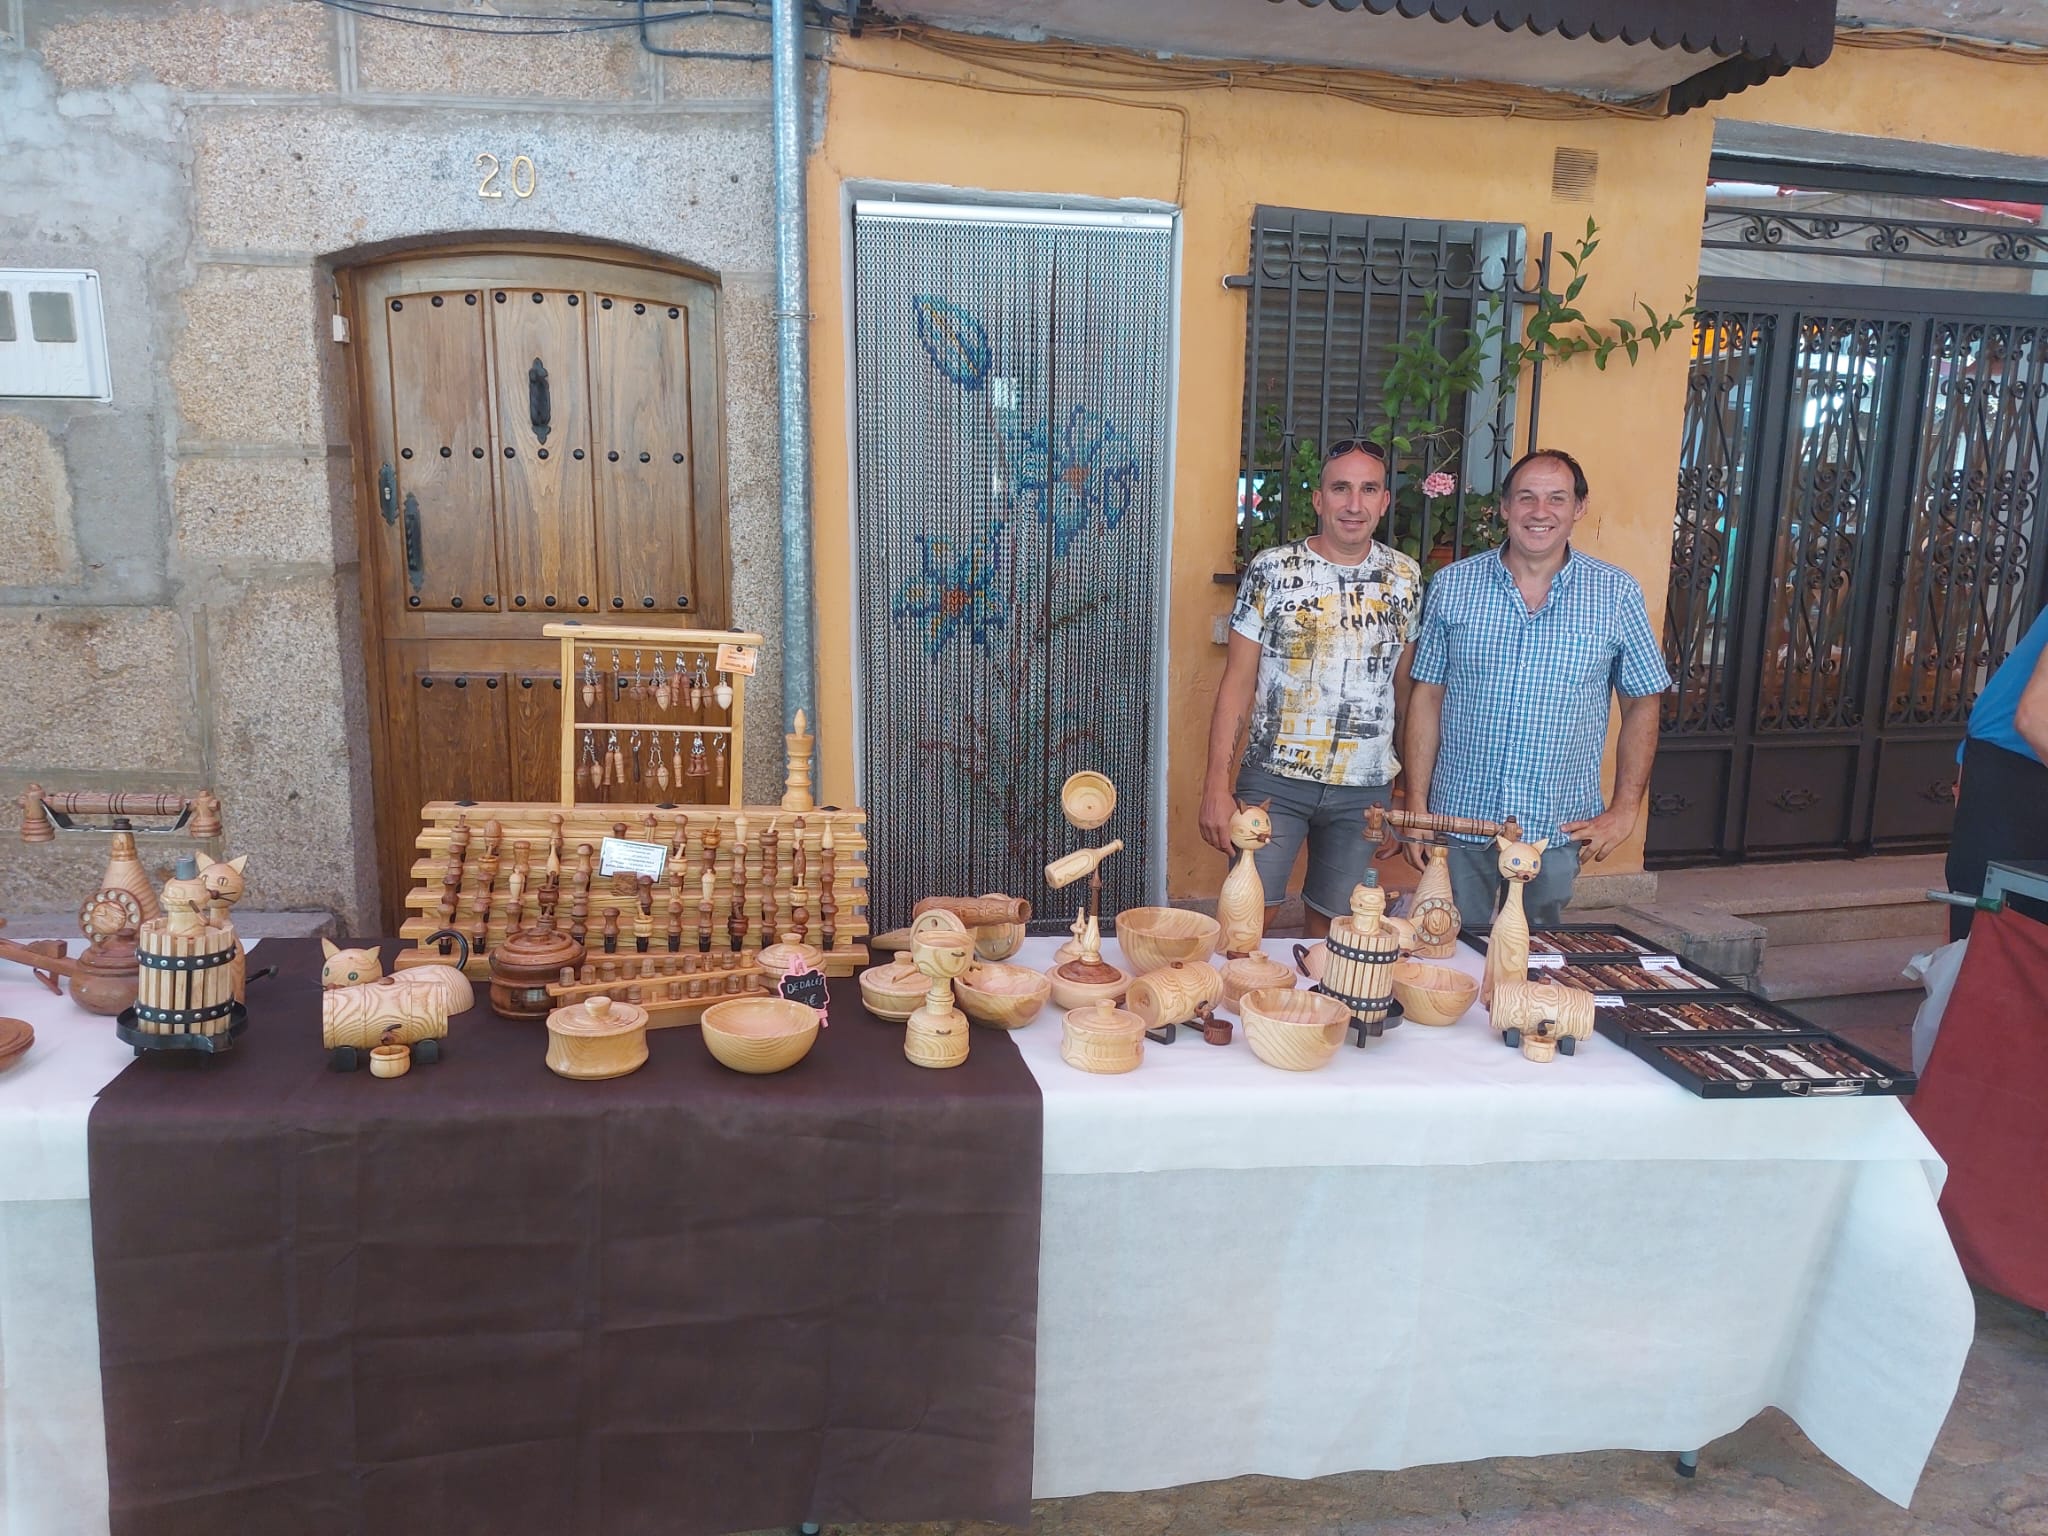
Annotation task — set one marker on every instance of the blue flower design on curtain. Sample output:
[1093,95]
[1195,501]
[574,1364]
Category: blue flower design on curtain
[954,340]
[953,590]
[1086,466]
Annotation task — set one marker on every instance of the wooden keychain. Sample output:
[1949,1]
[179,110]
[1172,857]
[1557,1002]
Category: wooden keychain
[697,687]
[660,764]
[700,765]
[589,680]
[723,693]
[663,695]
[589,775]
[614,765]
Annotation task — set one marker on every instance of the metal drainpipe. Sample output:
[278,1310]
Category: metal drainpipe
[792,313]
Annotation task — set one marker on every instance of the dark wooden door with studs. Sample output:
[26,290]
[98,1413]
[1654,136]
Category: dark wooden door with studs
[538,439]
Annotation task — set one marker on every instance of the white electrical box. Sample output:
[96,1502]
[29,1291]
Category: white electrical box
[53,336]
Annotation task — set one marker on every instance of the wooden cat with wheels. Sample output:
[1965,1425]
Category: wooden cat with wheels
[1507,950]
[355,967]
[1241,905]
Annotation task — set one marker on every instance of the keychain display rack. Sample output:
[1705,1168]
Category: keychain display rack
[671,668]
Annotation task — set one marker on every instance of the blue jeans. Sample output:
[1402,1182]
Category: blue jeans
[1331,817]
[1475,879]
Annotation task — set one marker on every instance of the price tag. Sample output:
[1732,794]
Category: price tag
[1607,1000]
[620,855]
[1546,962]
[1661,963]
[737,659]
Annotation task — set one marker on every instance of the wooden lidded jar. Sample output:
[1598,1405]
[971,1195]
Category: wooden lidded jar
[525,963]
[1102,1038]
[597,1038]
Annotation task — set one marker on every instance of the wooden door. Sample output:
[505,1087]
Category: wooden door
[538,439]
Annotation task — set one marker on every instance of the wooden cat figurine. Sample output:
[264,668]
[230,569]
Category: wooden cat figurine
[1241,905]
[358,967]
[1507,951]
[224,886]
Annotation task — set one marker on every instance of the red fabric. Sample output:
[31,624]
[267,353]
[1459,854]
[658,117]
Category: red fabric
[1983,1102]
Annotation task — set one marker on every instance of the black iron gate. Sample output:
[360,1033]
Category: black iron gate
[1855,549]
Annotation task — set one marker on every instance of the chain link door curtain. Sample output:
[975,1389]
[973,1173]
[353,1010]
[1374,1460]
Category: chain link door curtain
[1013,397]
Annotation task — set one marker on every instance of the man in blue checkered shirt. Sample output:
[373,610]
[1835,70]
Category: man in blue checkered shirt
[1519,656]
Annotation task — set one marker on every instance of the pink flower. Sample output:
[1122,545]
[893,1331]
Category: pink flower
[1442,483]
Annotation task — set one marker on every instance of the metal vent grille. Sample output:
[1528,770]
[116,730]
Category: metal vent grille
[1572,174]
[1013,440]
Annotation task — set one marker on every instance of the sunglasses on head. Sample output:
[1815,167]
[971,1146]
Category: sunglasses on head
[1345,445]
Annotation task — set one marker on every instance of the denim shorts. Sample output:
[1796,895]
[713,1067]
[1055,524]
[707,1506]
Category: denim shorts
[1331,817]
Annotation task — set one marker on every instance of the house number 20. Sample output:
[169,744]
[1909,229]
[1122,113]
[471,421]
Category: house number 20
[522,176]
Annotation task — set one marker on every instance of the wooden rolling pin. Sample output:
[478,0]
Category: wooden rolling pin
[977,911]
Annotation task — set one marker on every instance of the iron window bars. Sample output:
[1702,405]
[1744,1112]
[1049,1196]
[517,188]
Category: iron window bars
[1330,295]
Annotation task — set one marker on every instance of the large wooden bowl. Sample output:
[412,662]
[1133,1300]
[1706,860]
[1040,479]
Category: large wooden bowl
[1293,1030]
[1002,996]
[1433,994]
[894,991]
[1157,936]
[760,1034]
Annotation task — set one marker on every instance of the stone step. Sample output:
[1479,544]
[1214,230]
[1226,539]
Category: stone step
[1860,966]
[1753,890]
[1881,917]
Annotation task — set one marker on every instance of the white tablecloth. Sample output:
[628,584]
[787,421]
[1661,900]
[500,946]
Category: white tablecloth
[1433,1250]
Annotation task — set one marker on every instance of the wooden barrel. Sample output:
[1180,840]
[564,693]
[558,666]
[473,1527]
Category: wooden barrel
[1360,972]
[184,981]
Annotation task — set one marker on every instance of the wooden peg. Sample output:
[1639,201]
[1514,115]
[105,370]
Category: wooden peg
[828,900]
[704,913]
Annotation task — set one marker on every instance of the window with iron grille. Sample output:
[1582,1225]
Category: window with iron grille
[1332,299]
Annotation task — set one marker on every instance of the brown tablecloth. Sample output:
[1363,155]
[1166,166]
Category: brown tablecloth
[481,1298]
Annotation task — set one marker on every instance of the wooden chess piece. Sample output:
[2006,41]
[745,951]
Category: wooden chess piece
[796,792]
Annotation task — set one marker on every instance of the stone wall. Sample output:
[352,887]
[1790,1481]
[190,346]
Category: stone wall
[178,582]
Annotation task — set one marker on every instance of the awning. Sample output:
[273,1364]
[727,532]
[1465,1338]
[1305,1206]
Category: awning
[1740,43]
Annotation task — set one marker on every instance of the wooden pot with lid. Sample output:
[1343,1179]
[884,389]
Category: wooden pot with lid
[597,1038]
[524,964]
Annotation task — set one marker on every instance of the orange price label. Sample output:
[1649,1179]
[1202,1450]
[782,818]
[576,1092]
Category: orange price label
[737,659]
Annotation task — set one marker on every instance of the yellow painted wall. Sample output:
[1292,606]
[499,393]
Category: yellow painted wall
[1245,147]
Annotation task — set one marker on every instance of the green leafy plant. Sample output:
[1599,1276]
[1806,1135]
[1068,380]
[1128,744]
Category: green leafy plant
[1427,378]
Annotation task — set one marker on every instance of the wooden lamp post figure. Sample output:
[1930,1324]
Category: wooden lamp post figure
[1087,799]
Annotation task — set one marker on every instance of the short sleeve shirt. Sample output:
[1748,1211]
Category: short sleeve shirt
[1329,637]
[1527,696]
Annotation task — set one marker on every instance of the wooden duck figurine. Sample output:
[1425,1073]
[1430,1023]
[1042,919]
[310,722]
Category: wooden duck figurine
[1241,905]
[1507,950]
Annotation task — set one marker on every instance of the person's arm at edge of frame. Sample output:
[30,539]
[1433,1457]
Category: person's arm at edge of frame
[1226,730]
[2030,715]
[1634,753]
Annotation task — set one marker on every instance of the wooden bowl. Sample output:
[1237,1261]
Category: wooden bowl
[1157,936]
[894,991]
[776,960]
[1293,1030]
[760,1034]
[1002,996]
[1251,973]
[997,941]
[390,1060]
[1088,798]
[16,1036]
[1433,994]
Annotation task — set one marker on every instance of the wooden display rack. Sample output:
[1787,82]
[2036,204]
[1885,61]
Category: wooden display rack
[772,876]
